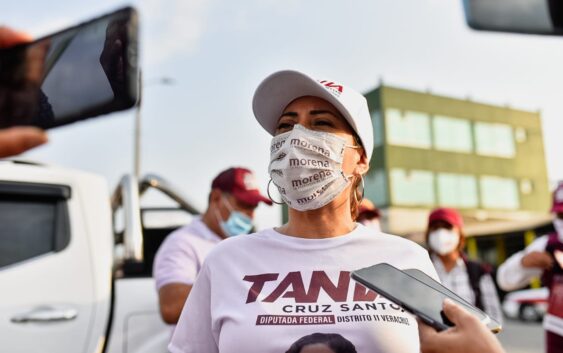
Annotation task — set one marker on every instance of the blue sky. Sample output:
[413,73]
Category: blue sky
[218,51]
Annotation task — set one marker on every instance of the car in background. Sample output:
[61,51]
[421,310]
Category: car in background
[528,305]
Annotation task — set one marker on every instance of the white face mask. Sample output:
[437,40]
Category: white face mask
[558,224]
[306,167]
[443,241]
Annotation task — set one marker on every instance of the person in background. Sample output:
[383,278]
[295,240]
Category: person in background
[543,257]
[16,140]
[369,215]
[469,279]
[233,198]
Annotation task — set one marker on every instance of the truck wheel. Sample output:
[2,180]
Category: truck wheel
[528,313]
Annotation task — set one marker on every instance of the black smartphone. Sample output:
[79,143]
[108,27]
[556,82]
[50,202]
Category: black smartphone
[81,72]
[414,295]
[491,322]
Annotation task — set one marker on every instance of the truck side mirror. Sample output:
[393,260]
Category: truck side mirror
[516,16]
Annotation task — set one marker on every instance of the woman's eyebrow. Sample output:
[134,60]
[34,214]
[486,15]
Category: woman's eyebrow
[319,112]
[289,114]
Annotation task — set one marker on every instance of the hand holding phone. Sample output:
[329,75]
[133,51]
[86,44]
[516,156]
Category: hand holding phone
[468,336]
[81,72]
[416,296]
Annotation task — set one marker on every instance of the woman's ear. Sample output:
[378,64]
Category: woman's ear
[215,196]
[362,166]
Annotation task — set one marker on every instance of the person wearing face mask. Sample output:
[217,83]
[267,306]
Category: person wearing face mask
[262,292]
[543,257]
[369,215]
[471,280]
[233,198]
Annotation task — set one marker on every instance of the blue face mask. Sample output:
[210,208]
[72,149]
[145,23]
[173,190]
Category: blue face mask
[237,223]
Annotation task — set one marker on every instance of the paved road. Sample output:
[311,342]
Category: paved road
[520,337]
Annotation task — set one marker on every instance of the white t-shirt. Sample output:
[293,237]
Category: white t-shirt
[180,257]
[262,292]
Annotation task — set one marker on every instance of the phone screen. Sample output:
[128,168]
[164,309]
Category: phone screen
[491,323]
[415,296]
[83,71]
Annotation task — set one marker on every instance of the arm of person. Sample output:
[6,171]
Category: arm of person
[468,335]
[195,332]
[175,270]
[16,140]
[490,297]
[516,272]
[171,298]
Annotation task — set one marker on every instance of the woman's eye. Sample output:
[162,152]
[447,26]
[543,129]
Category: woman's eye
[324,123]
[284,126]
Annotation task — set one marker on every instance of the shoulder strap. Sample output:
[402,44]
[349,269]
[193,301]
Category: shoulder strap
[475,271]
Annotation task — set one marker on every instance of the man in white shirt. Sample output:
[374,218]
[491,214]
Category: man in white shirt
[233,198]
[544,257]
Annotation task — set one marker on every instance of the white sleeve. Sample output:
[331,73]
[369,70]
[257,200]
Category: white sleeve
[512,275]
[194,333]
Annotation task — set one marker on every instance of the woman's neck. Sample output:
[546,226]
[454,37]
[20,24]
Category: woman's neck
[449,260]
[326,222]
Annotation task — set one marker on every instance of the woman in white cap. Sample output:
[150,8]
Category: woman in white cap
[263,291]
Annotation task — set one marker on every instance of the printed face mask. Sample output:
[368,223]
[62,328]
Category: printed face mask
[306,167]
[558,224]
[443,241]
[238,223]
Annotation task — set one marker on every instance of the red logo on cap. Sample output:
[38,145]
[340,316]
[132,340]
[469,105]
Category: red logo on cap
[332,85]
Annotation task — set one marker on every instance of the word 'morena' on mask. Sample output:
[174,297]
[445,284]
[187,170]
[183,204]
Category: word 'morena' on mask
[306,167]
[238,223]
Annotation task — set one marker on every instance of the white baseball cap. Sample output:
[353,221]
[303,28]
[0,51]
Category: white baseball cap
[282,87]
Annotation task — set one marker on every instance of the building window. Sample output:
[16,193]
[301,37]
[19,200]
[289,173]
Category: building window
[526,186]
[452,134]
[457,190]
[408,128]
[499,193]
[495,140]
[412,188]
[377,128]
[376,188]
[520,134]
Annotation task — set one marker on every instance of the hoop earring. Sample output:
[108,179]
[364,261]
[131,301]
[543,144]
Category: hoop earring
[363,190]
[270,196]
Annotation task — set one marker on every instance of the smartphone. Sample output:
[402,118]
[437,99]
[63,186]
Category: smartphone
[78,73]
[415,296]
[491,322]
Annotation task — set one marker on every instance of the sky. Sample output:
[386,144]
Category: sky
[217,52]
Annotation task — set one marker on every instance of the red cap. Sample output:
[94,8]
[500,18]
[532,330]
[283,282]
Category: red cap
[368,209]
[558,199]
[448,215]
[240,182]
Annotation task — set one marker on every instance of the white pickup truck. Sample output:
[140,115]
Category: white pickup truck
[76,262]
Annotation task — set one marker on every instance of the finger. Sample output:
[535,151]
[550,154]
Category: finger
[457,314]
[428,337]
[17,140]
[9,37]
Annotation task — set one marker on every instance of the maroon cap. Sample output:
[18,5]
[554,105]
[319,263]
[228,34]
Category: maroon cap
[368,209]
[448,215]
[558,199]
[240,182]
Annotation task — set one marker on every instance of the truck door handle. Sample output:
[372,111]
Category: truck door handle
[46,314]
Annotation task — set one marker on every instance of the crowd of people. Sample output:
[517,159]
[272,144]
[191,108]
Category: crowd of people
[288,289]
